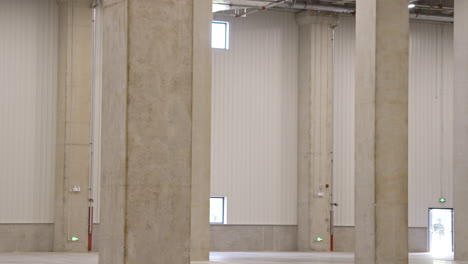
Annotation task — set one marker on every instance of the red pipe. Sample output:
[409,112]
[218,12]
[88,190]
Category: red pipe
[90,242]
[90,228]
[331,243]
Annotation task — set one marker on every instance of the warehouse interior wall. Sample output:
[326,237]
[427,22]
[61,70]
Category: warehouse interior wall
[430,120]
[28,114]
[254,128]
[46,107]
[254,132]
[254,120]
[430,135]
[28,73]
[430,128]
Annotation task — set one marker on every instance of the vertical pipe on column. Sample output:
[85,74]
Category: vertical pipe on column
[90,228]
[332,227]
[70,39]
[93,111]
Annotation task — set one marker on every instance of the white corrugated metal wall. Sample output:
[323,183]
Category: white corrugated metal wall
[343,122]
[28,74]
[245,147]
[254,120]
[254,117]
[430,120]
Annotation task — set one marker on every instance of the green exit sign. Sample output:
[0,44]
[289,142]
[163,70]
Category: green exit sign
[319,239]
[442,200]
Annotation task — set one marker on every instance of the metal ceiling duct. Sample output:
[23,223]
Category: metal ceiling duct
[242,8]
[323,8]
[432,18]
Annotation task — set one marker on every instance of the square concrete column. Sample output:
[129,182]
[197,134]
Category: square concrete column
[201,131]
[74,107]
[156,73]
[460,138]
[381,192]
[315,118]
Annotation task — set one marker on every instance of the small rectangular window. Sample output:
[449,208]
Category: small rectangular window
[220,35]
[217,210]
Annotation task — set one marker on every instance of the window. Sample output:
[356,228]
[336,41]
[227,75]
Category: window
[220,35]
[217,210]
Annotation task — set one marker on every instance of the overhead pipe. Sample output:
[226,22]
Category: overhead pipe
[349,10]
[445,19]
[335,9]
[428,7]
[283,4]
[265,7]
[322,8]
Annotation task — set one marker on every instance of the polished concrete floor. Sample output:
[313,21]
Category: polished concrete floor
[222,257]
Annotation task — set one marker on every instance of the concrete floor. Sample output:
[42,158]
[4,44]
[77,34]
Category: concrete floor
[312,258]
[221,257]
[48,258]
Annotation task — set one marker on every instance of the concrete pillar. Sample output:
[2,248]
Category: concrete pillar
[73,125]
[150,129]
[460,121]
[381,192]
[315,118]
[201,131]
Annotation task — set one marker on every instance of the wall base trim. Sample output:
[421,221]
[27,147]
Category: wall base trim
[253,238]
[26,238]
[40,238]
[417,239]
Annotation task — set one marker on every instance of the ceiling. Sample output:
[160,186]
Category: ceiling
[424,8]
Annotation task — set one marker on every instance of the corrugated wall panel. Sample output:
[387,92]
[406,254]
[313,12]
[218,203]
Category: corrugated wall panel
[254,120]
[28,74]
[343,122]
[430,120]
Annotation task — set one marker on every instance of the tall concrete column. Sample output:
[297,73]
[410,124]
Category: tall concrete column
[150,129]
[315,118]
[460,121]
[73,125]
[381,192]
[201,131]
